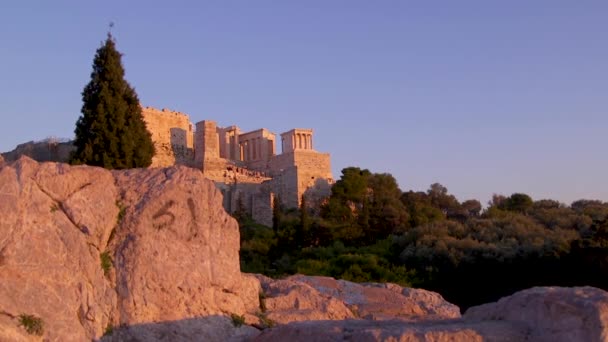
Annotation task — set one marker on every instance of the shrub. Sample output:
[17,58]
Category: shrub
[265,321]
[121,212]
[109,330]
[32,324]
[106,262]
[237,320]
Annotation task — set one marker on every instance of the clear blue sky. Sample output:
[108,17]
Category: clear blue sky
[482,96]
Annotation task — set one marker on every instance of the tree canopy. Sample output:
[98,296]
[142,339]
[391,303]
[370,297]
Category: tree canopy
[370,230]
[111,132]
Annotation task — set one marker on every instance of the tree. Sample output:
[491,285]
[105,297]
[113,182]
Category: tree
[518,202]
[303,232]
[111,131]
[276,215]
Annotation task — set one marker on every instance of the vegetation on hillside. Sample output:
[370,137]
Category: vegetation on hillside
[111,132]
[370,230]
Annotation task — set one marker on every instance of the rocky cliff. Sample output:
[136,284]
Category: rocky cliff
[84,250]
[151,255]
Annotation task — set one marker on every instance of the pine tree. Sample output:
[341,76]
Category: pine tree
[111,131]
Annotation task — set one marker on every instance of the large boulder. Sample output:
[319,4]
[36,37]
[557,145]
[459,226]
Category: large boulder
[539,314]
[177,250]
[83,249]
[54,224]
[551,313]
[393,330]
[382,301]
[289,300]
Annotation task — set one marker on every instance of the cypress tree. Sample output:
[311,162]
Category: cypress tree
[111,132]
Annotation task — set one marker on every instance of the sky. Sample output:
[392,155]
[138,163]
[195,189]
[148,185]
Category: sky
[481,96]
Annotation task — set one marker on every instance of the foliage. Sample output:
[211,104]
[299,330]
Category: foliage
[122,210]
[371,231]
[109,330]
[237,320]
[111,132]
[265,321]
[32,324]
[106,262]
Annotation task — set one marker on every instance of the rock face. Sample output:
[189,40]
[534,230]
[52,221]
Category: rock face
[84,249]
[541,314]
[152,255]
[300,297]
[552,313]
[393,330]
[55,221]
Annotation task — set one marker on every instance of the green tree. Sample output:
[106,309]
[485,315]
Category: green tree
[276,215]
[303,232]
[111,131]
[518,202]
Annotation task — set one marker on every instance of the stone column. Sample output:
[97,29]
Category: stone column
[259,148]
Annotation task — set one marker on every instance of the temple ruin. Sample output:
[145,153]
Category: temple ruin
[245,166]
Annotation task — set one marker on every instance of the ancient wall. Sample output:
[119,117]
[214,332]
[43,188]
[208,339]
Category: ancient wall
[172,136]
[301,172]
[207,144]
[47,150]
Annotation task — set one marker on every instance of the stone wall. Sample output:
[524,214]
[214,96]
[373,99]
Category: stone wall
[46,150]
[314,176]
[172,136]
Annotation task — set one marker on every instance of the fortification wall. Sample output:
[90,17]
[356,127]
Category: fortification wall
[314,176]
[172,135]
[46,150]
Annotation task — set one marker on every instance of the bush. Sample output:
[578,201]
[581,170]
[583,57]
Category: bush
[265,321]
[109,330]
[32,324]
[237,320]
[106,262]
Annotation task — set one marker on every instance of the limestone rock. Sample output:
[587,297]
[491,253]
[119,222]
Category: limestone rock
[169,248]
[52,231]
[290,300]
[393,330]
[210,328]
[537,314]
[552,313]
[177,249]
[383,301]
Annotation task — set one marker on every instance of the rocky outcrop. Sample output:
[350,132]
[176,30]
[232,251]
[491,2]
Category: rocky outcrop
[541,314]
[551,313]
[393,330]
[151,255]
[289,300]
[83,249]
[383,301]
[55,221]
[300,297]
